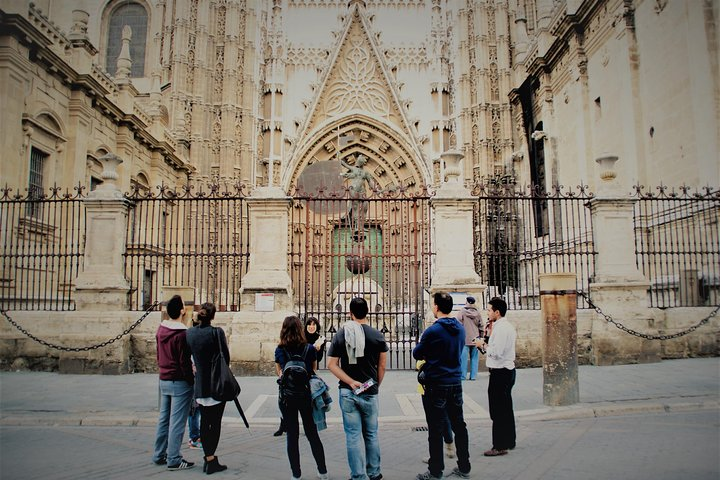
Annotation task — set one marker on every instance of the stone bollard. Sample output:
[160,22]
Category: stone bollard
[559,338]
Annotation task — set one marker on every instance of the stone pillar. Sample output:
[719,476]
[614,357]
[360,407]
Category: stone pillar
[558,306]
[102,284]
[453,235]
[266,292]
[618,288]
[268,269]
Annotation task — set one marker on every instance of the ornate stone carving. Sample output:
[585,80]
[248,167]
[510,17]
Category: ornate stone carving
[406,56]
[358,84]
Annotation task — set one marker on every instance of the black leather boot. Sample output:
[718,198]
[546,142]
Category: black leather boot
[214,466]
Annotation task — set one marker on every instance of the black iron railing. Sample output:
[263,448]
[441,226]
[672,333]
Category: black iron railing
[196,236]
[376,246]
[521,232]
[42,245]
[677,245]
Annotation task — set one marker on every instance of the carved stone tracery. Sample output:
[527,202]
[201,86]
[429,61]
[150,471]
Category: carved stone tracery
[358,85]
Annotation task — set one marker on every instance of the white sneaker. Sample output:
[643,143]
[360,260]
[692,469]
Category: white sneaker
[323,476]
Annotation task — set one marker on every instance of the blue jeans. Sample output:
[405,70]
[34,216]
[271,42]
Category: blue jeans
[194,423]
[175,398]
[473,361]
[443,403]
[360,421]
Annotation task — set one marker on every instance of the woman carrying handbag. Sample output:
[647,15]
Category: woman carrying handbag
[206,343]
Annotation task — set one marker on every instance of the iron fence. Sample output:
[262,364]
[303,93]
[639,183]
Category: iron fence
[378,247]
[190,238]
[521,232]
[42,245]
[677,245]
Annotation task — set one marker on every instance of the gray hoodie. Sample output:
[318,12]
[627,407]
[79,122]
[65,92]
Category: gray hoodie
[470,319]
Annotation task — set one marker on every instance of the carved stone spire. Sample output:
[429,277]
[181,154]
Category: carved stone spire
[124,62]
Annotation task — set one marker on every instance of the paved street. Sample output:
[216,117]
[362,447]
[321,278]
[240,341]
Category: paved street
[656,421]
[661,446]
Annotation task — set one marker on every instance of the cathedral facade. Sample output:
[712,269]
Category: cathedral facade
[606,98]
[257,91]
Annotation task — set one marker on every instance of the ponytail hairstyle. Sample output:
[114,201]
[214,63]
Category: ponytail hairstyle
[206,313]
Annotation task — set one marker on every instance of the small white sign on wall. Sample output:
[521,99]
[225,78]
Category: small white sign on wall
[264,302]
[458,299]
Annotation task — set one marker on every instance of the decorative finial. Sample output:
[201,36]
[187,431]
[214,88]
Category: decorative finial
[124,62]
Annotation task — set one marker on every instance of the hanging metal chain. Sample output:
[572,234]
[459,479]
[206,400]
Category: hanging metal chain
[80,349]
[625,329]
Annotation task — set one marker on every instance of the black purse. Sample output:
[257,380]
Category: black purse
[223,385]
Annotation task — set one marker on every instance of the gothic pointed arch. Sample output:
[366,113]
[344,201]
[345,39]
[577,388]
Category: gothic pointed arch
[391,160]
[358,99]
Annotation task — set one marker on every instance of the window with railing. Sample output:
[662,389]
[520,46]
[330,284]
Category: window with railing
[33,207]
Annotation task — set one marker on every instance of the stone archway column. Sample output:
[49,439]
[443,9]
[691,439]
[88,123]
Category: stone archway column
[453,266]
[619,289]
[266,292]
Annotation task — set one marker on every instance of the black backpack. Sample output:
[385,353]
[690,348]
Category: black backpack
[295,379]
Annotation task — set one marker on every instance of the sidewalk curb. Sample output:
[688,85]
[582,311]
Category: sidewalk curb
[64,419]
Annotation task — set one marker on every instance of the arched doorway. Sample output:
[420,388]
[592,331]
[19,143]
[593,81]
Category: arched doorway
[360,226]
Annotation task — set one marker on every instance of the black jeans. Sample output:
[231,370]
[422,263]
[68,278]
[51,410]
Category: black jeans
[290,409]
[500,387]
[443,403]
[210,422]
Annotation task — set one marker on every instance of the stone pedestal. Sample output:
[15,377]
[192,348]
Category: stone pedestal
[268,269]
[102,284]
[614,240]
[266,292]
[618,288]
[454,263]
[558,306]
[253,337]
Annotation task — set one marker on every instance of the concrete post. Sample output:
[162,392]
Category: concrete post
[453,235]
[102,284]
[559,338]
[618,287]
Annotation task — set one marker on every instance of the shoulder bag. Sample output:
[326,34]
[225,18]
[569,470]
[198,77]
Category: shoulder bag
[223,385]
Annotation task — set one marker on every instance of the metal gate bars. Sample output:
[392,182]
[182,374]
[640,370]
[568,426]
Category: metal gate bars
[377,247]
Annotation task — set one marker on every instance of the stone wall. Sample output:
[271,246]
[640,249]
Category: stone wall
[253,336]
